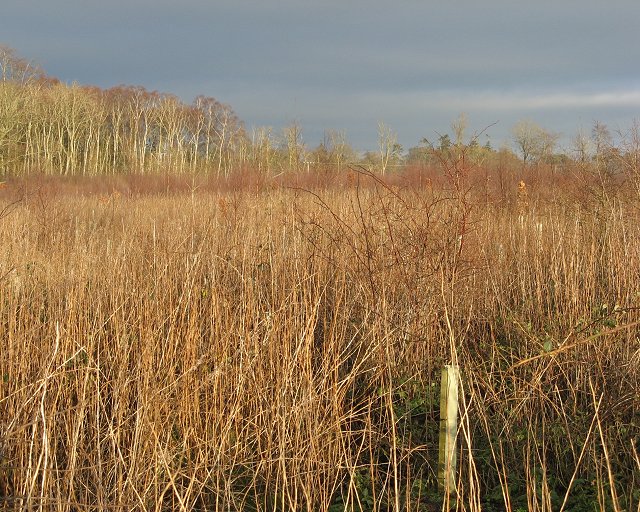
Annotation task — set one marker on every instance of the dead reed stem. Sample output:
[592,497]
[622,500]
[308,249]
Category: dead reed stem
[281,351]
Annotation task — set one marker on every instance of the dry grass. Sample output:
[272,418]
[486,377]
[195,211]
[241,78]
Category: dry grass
[234,350]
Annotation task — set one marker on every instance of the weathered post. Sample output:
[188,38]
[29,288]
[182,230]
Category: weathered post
[448,428]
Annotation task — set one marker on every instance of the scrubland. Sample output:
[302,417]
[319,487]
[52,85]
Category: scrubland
[181,346]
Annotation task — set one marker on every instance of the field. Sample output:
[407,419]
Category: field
[174,345]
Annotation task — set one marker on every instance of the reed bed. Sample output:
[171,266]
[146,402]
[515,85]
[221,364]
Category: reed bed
[281,350]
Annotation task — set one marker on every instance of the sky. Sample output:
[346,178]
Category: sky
[346,66]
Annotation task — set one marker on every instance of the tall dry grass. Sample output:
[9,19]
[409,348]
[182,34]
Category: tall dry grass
[281,350]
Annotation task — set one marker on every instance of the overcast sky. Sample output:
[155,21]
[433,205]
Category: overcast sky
[347,65]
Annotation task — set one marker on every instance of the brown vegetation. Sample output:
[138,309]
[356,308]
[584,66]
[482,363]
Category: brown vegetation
[238,349]
[197,319]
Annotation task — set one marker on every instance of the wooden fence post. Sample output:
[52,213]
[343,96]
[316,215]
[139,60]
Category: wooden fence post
[448,428]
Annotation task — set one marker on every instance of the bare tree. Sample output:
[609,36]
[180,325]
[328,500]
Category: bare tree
[16,69]
[601,137]
[459,127]
[295,145]
[263,150]
[61,129]
[582,146]
[388,146]
[534,142]
[339,149]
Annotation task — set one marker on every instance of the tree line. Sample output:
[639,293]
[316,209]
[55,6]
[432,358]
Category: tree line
[54,128]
